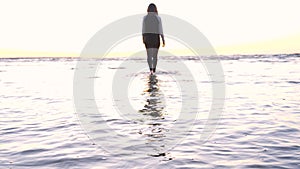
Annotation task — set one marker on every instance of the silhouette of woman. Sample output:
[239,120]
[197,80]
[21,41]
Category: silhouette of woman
[152,28]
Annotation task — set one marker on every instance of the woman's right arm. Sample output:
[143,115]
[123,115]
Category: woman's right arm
[161,32]
[163,39]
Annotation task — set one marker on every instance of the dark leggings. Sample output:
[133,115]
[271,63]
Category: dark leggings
[152,43]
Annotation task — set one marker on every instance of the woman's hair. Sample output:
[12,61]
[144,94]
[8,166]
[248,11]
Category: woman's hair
[152,8]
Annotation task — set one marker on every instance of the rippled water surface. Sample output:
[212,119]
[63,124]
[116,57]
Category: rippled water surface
[41,127]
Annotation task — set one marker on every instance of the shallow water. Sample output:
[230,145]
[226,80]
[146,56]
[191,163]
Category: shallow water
[259,128]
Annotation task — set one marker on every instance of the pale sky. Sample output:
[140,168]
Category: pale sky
[62,27]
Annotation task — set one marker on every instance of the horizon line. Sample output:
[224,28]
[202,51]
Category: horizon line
[76,57]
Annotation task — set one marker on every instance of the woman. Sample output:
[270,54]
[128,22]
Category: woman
[152,28]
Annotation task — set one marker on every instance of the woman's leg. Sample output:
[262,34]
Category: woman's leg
[152,58]
[149,58]
[155,51]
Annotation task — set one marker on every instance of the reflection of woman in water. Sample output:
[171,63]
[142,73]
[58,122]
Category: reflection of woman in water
[152,28]
[155,104]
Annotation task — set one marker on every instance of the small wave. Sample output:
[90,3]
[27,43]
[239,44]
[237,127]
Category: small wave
[294,82]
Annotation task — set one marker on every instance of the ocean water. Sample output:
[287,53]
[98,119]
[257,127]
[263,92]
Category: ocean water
[42,125]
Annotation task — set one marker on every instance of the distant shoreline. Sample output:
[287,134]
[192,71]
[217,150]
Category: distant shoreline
[225,57]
